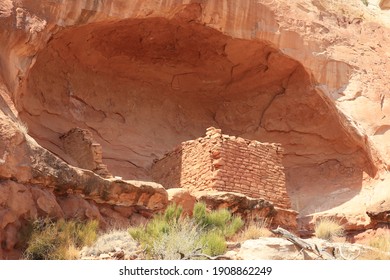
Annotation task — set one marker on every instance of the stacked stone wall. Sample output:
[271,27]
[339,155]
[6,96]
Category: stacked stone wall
[226,163]
[84,151]
[188,166]
[252,168]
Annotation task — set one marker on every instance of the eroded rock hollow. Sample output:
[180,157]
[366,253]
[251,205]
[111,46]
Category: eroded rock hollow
[143,86]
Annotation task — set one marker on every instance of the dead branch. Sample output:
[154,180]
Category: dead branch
[219,257]
[349,258]
[301,244]
[196,254]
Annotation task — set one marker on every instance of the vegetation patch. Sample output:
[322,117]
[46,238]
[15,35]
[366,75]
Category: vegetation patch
[60,240]
[255,229]
[110,242]
[173,236]
[381,246]
[328,229]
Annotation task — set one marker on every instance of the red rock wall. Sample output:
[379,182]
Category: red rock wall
[226,163]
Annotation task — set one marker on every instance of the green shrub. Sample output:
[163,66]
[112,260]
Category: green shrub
[156,228]
[173,213]
[220,220]
[213,243]
[147,235]
[199,213]
[59,240]
[172,236]
[180,242]
[236,223]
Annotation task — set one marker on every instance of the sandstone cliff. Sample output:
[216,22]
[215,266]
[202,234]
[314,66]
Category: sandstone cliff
[144,76]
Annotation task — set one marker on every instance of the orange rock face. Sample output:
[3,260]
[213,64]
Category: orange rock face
[145,76]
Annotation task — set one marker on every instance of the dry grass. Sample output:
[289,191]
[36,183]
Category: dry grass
[71,252]
[328,229]
[381,242]
[381,245]
[255,230]
[21,126]
[58,240]
[375,255]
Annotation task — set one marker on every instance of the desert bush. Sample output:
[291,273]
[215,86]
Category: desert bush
[213,243]
[154,230]
[220,220]
[328,229]
[110,242]
[59,240]
[172,236]
[181,241]
[157,228]
[173,213]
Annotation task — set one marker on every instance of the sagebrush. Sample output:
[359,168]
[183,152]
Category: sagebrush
[173,236]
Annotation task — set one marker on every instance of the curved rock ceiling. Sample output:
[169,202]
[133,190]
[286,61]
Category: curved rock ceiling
[142,86]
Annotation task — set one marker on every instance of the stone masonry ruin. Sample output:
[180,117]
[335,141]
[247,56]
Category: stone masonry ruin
[84,152]
[225,163]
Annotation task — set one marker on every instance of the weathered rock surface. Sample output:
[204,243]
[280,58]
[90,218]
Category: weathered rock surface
[268,248]
[380,212]
[144,76]
[273,248]
[248,207]
[384,4]
[35,183]
[183,198]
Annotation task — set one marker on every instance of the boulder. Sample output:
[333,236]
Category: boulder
[274,248]
[183,198]
[249,208]
[270,248]
[380,212]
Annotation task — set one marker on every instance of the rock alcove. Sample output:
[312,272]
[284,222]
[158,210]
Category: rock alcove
[143,86]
